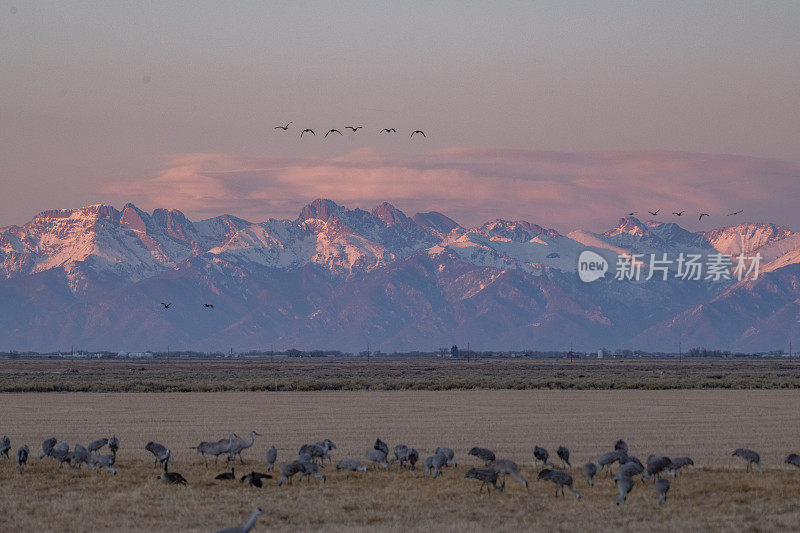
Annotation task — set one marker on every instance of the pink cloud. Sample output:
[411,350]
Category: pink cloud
[556,189]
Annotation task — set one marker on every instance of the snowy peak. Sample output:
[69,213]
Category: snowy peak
[630,226]
[390,215]
[746,238]
[320,209]
[436,223]
[515,230]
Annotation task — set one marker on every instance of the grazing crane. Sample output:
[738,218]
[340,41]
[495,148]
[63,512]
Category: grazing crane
[680,462]
[313,452]
[563,454]
[542,455]
[435,462]
[311,469]
[412,458]
[22,457]
[47,447]
[750,456]
[589,470]
[96,445]
[662,487]
[78,456]
[290,469]
[486,476]
[238,445]
[609,458]
[377,456]
[621,445]
[448,453]
[254,479]
[332,131]
[113,444]
[272,456]
[625,486]
[284,128]
[656,465]
[793,459]
[171,478]
[216,448]
[506,467]
[418,131]
[381,446]
[351,465]
[5,445]
[487,456]
[630,469]
[561,479]
[307,130]
[257,511]
[401,455]
[160,452]
[106,461]
[60,453]
[226,475]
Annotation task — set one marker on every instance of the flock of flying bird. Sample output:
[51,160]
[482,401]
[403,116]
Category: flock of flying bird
[353,129]
[311,460]
[680,213]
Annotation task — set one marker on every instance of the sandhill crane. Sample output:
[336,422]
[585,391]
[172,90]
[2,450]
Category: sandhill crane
[313,452]
[60,453]
[563,454]
[621,445]
[381,446]
[448,453]
[226,475]
[561,479]
[388,130]
[412,458]
[486,476]
[630,469]
[506,467]
[750,456]
[625,486]
[96,445]
[238,445]
[78,456]
[257,511]
[272,456]
[47,447]
[311,469]
[401,452]
[656,465]
[284,128]
[418,131]
[680,462]
[351,465]
[625,459]
[254,479]
[662,487]
[542,455]
[171,478]
[288,470]
[113,444]
[609,458]
[326,445]
[332,131]
[435,462]
[105,461]
[703,215]
[589,470]
[487,456]
[307,130]
[793,459]
[5,445]
[160,452]
[22,457]
[166,305]
[215,448]
[354,128]
[377,456]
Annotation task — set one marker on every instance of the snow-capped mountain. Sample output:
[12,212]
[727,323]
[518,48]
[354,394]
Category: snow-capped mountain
[340,278]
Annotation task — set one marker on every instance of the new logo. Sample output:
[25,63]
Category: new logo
[591,266]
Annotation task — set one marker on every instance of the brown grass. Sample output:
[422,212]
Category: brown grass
[44,375]
[705,424]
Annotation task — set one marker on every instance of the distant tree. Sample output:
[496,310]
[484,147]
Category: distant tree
[454,351]
[293,352]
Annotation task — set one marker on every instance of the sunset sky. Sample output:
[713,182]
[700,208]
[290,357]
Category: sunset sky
[567,114]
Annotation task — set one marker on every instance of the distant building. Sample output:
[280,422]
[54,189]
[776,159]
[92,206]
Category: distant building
[600,353]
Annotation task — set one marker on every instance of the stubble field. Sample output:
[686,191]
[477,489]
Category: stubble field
[705,424]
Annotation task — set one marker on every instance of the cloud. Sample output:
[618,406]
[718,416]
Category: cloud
[556,189]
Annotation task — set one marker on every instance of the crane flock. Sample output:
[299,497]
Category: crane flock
[353,129]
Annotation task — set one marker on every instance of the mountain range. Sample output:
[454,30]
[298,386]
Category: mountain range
[339,278]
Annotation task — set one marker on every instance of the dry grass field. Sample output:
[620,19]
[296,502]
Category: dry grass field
[706,424]
[205,375]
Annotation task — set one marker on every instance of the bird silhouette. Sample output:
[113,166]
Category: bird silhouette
[166,306]
[703,215]
[418,131]
[735,212]
[631,214]
[354,128]
[309,131]
[678,214]
[332,131]
[388,130]
[284,128]
[209,305]
[654,213]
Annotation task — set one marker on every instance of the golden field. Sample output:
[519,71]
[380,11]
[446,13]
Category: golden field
[707,425]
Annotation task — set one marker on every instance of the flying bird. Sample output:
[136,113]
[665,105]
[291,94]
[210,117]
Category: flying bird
[418,131]
[677,214]
[166,306]
[388,130]
[284,128]
[631,214]
[654,213]
[354,128]
[703,215]
[332,131]
[735,212]
[309,131]
[209,305]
